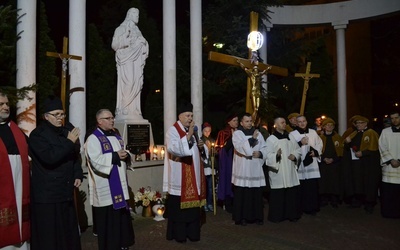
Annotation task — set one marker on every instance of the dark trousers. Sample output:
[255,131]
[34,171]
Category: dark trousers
[390,200]
[114,228]
[182,223]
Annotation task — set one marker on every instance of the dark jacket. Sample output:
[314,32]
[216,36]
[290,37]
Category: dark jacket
[56,163]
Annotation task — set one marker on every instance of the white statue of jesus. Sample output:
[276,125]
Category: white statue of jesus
[131,50]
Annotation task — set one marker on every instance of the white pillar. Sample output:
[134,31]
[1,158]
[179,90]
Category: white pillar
[26,63]
[76,69]
[196,69]
[341,75]
[263,56]
[169,63]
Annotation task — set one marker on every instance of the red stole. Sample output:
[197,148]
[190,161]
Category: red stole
[189,194]
[9,224]
[223,136]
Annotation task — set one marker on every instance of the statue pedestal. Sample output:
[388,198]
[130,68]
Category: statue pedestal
[137,135]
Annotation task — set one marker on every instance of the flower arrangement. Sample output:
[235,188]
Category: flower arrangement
[145,196]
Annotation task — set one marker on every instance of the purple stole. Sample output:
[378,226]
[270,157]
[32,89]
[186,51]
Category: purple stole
[114,181]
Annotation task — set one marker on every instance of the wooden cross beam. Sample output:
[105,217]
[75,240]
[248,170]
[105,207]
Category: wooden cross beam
[235,61]
[248,64]
[65,58]
[306,76]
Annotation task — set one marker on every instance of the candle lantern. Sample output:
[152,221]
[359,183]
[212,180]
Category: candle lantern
[155,153]
[158,210]
[162,153]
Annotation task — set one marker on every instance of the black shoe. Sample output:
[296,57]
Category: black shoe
[181,241]
[323,204]
[243,222]
[369,210]
[313,213]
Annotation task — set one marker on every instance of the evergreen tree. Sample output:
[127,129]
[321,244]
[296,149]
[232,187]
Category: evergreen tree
[47,79]
[8,40]
[100,85]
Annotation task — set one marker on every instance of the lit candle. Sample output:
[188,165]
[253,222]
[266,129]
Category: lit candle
[155,151]
[162,153]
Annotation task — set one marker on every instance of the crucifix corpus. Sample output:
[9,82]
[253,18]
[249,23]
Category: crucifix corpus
[65,58]
[254,69]
[306,76]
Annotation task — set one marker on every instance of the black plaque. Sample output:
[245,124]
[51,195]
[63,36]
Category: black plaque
[138,138]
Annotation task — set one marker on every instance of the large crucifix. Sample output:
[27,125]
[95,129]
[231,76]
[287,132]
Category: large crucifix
[252,67]
[65,58]
[306,76]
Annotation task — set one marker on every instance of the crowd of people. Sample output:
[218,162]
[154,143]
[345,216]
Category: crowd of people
[301,170]
[307,166]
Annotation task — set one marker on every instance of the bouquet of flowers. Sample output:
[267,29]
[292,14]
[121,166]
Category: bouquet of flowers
[145,196]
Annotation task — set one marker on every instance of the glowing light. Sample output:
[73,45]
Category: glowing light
[162,153]
[255,40]
[158,210]
[218,45]
[155,153]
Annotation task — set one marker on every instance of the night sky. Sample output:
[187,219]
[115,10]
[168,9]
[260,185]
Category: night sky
[385,38]
[57,12]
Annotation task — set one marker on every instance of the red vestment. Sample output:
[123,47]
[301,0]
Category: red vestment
[189,195]
[9,224]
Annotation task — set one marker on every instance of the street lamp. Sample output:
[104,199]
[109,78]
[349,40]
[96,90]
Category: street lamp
[255,40]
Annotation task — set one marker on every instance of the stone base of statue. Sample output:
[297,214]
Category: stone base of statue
[137,135]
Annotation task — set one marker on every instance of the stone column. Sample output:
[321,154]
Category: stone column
[341,74]
[169,63]
[263,56]
[196,69]
[26,63]
[77,69]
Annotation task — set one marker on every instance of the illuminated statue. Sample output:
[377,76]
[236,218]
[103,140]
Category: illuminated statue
[131,52]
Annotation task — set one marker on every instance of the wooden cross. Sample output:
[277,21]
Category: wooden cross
[248,64]
[65,58]
[306,76]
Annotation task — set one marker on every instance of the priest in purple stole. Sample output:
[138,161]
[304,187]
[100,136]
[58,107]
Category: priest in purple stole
[108,184]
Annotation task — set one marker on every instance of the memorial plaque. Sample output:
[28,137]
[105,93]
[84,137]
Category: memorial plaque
[138,138]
